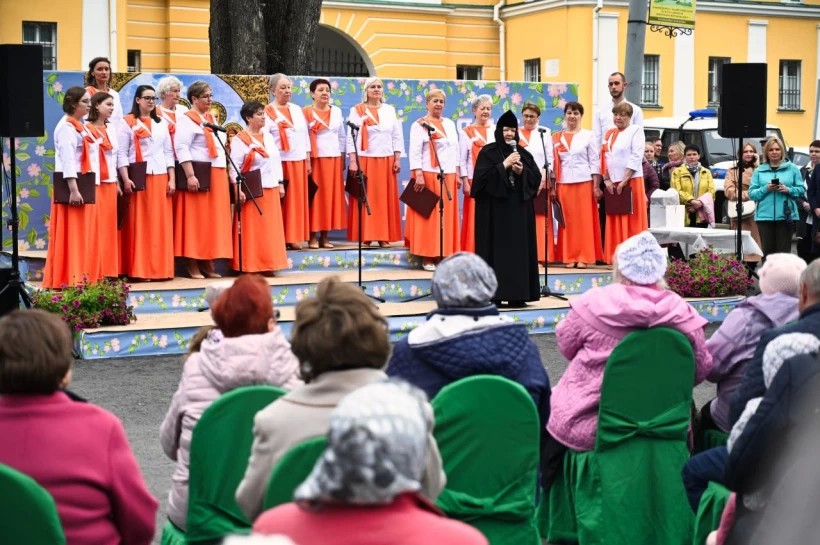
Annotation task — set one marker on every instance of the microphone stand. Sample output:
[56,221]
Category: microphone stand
[545,290]
[240,183]
[363,202]
[15,283]
[741,167]
[442,189]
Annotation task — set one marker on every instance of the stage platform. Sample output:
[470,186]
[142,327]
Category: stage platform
[168,313]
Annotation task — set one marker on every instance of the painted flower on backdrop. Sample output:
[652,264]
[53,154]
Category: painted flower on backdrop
[334,84]
[40,243]
[556,89]
[33,170]
[39,151]
[502,90]
[516,98]
[24,193]
[58,86]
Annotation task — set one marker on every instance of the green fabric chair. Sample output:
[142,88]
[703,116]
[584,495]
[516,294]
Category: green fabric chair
[488,433]
[710,509]
[710,438]
[628,490]
[171,535]
[28,514]
[292,470]
[220,448]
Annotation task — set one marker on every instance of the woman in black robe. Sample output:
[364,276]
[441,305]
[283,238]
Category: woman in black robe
[506,179]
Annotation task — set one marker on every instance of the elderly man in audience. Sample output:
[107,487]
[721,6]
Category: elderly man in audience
[366,487]
[342,343]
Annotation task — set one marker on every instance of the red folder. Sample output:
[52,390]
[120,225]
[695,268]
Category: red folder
[423,202]
[137,173]
[202,171]
[618,204]
[86,185]
[253,179]
[352,183]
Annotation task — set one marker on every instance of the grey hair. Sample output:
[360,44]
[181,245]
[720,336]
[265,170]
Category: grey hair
[165,85]
[274,80]
[480,99]
[811,277]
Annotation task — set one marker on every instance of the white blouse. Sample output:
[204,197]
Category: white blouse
[189,143]
[625,151]
[534,146]
[271,166]
[603,121]
[156,150]
[68,145]
[297,132]
[465,149]
[110,155]
[446,148]
[582,160]
[383,138]
[331,139]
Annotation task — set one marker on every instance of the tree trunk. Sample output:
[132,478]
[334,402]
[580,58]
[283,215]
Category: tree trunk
[290,28]
[236,36]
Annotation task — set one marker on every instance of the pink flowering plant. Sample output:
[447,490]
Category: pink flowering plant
[708,274]
[86,305]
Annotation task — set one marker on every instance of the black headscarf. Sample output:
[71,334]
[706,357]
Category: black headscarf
[508,119]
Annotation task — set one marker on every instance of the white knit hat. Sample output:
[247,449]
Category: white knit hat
[784,347]
[781,274]
[641,259]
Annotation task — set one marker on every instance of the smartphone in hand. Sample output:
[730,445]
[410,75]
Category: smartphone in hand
[775,181]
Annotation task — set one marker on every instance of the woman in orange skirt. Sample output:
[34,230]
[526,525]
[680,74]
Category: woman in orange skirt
[73,248]
[622,166]
[529,137]
[148,232]
[422,233]
[202,219]
[286,123]
[576,163]
[381,144]
[263,236]
[102,106]
[470,142]
[327,144]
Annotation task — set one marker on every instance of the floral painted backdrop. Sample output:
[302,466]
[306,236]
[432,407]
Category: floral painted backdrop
[35,156]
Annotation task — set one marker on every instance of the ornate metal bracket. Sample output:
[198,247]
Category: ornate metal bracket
[671,31]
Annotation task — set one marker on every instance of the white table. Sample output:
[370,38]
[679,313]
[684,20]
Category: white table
[722,240]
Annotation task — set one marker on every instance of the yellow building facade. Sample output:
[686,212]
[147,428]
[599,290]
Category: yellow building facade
[579,41]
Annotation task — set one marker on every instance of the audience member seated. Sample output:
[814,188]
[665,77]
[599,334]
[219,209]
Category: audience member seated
[467,336]
[365,489]
[733,344]
[596,323]
[251,350]
[77,451]
[342,343]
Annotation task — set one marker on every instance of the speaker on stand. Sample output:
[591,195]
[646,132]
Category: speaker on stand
[21,115]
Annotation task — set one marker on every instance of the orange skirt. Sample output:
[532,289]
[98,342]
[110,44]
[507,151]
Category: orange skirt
[468,223]
[107,222]
[73,246]
[295,204]
[581,239]
[148,231]
[202,220]
[263,237]
[327,211]
[422,234]
[540,227]
[620,227]
[384,224]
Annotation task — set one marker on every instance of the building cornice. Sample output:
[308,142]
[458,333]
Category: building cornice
[457,10]
[758,9]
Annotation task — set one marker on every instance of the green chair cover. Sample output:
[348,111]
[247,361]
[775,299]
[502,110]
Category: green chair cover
[220,448]
[710,510]
[292,470]
[628,490]
[28,514]
[710,438]
[171,535]
[488,432]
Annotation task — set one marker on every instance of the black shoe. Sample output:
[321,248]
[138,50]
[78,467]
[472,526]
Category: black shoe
[516,304]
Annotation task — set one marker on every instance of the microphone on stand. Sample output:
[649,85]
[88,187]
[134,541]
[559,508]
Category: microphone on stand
[214,127]
[542,130]
[352,125]
[428,127]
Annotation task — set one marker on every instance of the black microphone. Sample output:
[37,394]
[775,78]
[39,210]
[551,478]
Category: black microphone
[428,127]
[542,130]
[352,125]
[512,145]
[214,127]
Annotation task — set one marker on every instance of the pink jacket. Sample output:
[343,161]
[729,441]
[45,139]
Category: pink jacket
[219,368]
[80,454]
[599,319]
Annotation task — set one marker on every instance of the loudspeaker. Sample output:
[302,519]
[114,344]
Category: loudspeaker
[21,90]
[742,111]
[9,300]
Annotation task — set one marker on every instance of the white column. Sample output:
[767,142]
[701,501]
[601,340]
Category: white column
[608,60]
[756,47]
[683,94]
[817,90]
[96,33]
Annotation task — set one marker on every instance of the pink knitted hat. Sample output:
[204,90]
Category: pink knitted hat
[781,274]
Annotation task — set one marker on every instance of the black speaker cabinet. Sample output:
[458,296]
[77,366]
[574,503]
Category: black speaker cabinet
[742,111]
[9,300]
[21,90]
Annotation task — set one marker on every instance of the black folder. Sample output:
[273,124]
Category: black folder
[352,183]
[137,172]
[423,202]
[86,185]
[618,204]
[202,171]
[253,179]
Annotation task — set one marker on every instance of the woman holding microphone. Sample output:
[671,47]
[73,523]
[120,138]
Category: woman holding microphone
[148,231]
[202,219]
[263,237]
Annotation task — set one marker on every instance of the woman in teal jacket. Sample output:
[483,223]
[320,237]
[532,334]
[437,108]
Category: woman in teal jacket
[776,184]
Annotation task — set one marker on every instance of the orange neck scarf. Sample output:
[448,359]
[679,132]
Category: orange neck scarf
[524,137]
[141,130]
[369,116]
[281,118]
[85,157]
[101,134]
[209,134]
[435,135]
[478,137]
[318,121]
[609,141]
[246,138]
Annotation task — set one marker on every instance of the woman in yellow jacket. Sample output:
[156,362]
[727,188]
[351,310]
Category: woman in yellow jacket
[693,182]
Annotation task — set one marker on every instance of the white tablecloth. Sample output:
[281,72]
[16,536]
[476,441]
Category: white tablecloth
[722,240]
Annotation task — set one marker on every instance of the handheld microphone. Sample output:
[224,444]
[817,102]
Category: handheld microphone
[513,146]
[214,127]
[542,130]
[428,127]
[352,125]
